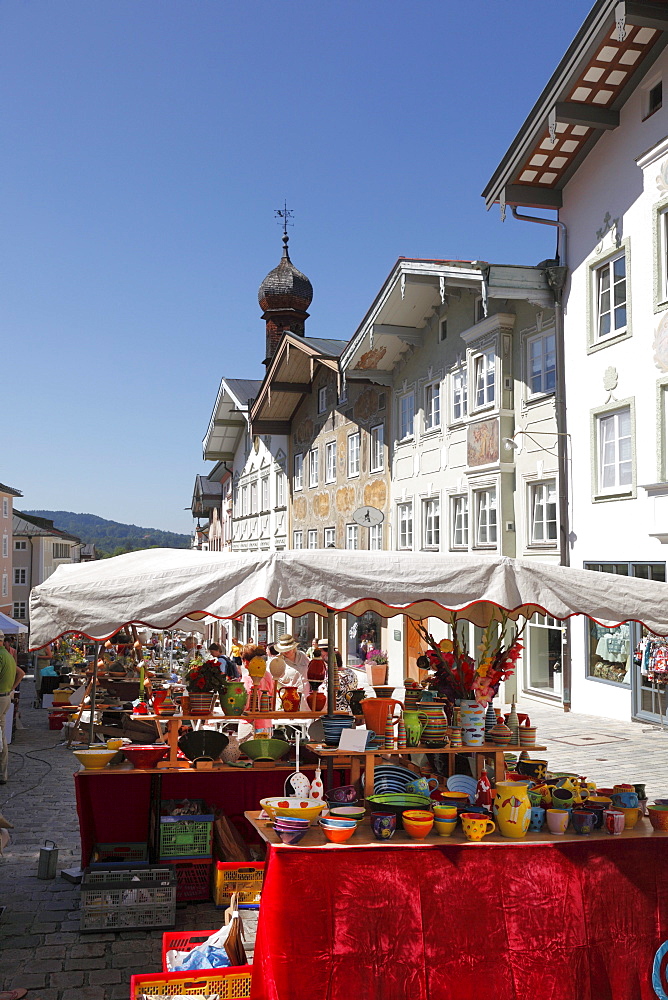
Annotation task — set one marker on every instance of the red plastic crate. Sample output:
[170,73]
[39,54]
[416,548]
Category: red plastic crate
[231,983]
[193,880]
[182,941]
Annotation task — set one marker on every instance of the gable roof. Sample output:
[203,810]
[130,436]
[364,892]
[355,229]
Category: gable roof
[612,51]
[30,524]
[8,489]
[229,418]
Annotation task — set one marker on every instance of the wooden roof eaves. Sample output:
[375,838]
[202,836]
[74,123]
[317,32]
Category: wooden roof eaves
[294,342]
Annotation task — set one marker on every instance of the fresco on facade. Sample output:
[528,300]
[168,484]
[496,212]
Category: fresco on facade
[375,494]
[482,443]
[321,505]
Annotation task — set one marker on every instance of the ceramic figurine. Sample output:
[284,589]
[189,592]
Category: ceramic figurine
[389,733]
[484,794]
[401,734]
[514,725]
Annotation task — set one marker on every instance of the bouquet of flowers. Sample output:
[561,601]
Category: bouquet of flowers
[376,656]
[453,672]
[204,677]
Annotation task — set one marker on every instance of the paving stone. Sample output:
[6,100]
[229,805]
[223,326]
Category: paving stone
[87,950]
[31,981]
[104,976]
[66,980]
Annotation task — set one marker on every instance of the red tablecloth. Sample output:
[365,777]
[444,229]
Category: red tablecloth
[576,921]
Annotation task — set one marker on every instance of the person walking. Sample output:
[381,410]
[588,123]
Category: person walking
[11,676]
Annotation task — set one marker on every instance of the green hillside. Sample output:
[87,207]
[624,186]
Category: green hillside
[111,538]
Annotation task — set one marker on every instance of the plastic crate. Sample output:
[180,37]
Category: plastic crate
[193,880]
[121,855]
[230,983]
[58,719]
[182,941]
[185,837]
[128,899]
[244,877]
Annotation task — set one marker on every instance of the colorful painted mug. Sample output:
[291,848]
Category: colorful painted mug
[584,821]
[476,826]
[614,821]
[557,820]
[625,800]
[422,786]
[562,798]
[537,819]
[383,825]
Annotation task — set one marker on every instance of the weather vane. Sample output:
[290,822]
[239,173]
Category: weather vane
[284,215]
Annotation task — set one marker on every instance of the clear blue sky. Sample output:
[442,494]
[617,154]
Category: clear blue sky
[145,146]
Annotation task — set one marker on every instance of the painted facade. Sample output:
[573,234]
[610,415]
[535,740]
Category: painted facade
[7,497]
[38,549]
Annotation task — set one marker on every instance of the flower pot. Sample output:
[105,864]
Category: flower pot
[376,672]
[233,698]
[473,722]
[201,702]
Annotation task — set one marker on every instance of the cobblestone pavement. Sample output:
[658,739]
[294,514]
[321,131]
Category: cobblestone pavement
[40,945]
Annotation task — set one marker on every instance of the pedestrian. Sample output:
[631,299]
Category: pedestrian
[11,676]
[287,647]
[227,666]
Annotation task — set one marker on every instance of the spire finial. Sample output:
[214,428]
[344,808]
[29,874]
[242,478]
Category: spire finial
[284,215]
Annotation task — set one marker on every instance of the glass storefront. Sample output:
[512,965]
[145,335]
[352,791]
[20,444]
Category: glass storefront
[542,656]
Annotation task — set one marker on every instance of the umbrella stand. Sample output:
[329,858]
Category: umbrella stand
[93,694]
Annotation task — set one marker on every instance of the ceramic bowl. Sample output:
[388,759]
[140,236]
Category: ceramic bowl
[337,835]
[445,811]
[658,818]
[342,824]
[661,802]
[278,805]
[398,803]
[94,760]
[203,743]
[263,750]
[145,758]
[445,828]
[631,816]
[418,822]
[344,794]
[291,837]
[348,812]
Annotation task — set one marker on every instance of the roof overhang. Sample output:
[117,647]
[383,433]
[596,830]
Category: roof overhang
[610,54]
[288,380]
[228,422]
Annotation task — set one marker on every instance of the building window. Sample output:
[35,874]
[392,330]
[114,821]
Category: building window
[459,394]
[432,406]
[322,399]
[405,526]
[312,538]
[20,610]
[5,585]
[406,416]
[460,522]
[244,501]
[352,536]
[615,451]
[543,513]
[654,99]
[542,659]
[20,545]
[298,481]
[484,371]
[610,282]
[313,467]
[485,517]
[377,459]
[19,577]
[330,538]
[265,493]
[442,330]
[280,489]
[431,523]
[343,395]
[5,546]
[298,539]
[376,537]
[354,454]
[253,498]
[542,364]
[5,507]
[330,462]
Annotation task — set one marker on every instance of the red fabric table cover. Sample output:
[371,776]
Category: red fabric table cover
[576,921]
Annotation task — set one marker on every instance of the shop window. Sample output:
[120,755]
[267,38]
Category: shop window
[543,513]
[405,526]
[485,518]
[298,480]
[313,468]
[312,538]
[298,539]
[432,406]
[431,523]
[330,462]
[484,376]
[377,434]
[543,656]
[330,538]
[376,537]
[541,364]
[354,454]
[406,416]
[460,522]
[459,394]
[352,536]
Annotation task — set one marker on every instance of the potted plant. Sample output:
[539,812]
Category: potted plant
[204,681]
[376,667]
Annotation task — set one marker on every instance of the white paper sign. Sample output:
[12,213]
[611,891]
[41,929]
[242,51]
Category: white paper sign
[353,739]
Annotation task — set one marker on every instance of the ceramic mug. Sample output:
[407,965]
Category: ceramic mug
[613,821]
[584,821]
[445,827]
[597,804]
[537,818]
[562,798]
[476,826]
[631,816]
[445,812]
[639,789]
[625,800]
[422,786]
[383,825]
[557,820]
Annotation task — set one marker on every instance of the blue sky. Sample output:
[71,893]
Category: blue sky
[145,148]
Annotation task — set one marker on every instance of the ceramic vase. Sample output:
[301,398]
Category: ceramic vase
[490,720]
[354,699]
[437,725]
[201,702]
[290,698]
[376,711]
[411,698]
[401,734]
[233,698]
[232,751]
[389,733]
[316,701]
[514,726]
[415,723]
[500,734]
[512,809]
[473,722]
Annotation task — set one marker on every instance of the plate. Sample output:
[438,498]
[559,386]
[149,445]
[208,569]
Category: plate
[462,783]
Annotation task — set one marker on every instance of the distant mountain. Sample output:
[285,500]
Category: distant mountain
[111,538]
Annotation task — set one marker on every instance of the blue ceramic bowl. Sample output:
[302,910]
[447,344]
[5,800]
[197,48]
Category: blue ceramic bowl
[333,726]
[337,822]
[291,837]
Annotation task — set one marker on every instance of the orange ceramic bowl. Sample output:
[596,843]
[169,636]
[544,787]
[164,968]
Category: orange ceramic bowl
[339,834]
[658,818]
[631,816]
[455,799]
[417,822]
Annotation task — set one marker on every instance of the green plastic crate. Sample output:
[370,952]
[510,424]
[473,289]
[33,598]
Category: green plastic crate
[186,837]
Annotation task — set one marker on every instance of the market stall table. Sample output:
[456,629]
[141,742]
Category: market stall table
[560,917]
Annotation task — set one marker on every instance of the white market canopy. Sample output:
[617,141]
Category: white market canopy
[11,627]
[158,588]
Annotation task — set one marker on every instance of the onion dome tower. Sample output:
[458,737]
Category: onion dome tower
[284,296]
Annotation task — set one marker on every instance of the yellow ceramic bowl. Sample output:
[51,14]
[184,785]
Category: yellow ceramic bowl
[282,805]
[444,828]
[114,744]
[631,816]
[94,760]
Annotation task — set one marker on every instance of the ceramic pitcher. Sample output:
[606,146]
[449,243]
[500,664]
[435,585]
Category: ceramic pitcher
[376,711]
[512,809]
[354,699]
[290,698]
[415,723]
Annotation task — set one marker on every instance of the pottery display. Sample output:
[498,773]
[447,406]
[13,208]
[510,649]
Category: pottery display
[631,816]
[500,734]
[454,736]
[445,812]
[511,809]
[233,697]
[411,697]
[435,732]
[614,821]
[490,720]
[287,805]
[513,723]
[344,794]
[476,826]
[584,821]
[203,743]
[95,759]
[145,758]
[290,698]
[625,800]
[398,804]
[415,723]
[201,702]
[265,750]
[316,701]
[348,812]
[445,827]
[658,817]
[473,722]
[557,820]
[383,825]
[527,736]
[232,751]
[376,712]
[418,822]
[562,798]
[537,819]
[334,724]
[422,786]
[536,769]
[355,699]
[596,804]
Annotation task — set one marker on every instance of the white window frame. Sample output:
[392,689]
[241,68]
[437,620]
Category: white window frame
[20,610]
[264,492]
[313,460]
[377,448]
[460,399]
[544,389]
[432,406]
[607,268]
[298,539]
[253,497]
[19,576]
[330,462]
[486,517]
[483,364]
[312,538]
[352,536]
[5,546]
[329,538]
[459,518]
[611,419]
[322,399]
[407,416]
[376,538]
[5,585]
[5,507]
[431,524]
[542,497]
[280,488]
[405,526]
[353,455]
[245,501]
[20,545]
[661,293]
[298,471]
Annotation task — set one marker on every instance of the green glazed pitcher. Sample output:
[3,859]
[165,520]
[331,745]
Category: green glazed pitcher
[414,727]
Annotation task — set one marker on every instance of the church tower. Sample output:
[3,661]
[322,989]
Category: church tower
[284,296]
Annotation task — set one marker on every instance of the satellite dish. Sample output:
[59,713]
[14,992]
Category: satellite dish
[368,516]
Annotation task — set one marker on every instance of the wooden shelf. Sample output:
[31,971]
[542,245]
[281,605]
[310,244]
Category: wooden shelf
[248,716]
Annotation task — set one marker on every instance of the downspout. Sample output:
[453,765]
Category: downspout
[556,278]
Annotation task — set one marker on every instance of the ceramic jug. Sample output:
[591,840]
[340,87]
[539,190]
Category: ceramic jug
[512,809]
[354,699]
[437,725]
[415,723]
[376,711]
[290,698]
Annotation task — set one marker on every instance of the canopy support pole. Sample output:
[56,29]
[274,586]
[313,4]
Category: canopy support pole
[93,694]
[331,661]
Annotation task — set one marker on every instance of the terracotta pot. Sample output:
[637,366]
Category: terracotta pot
[376,672]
